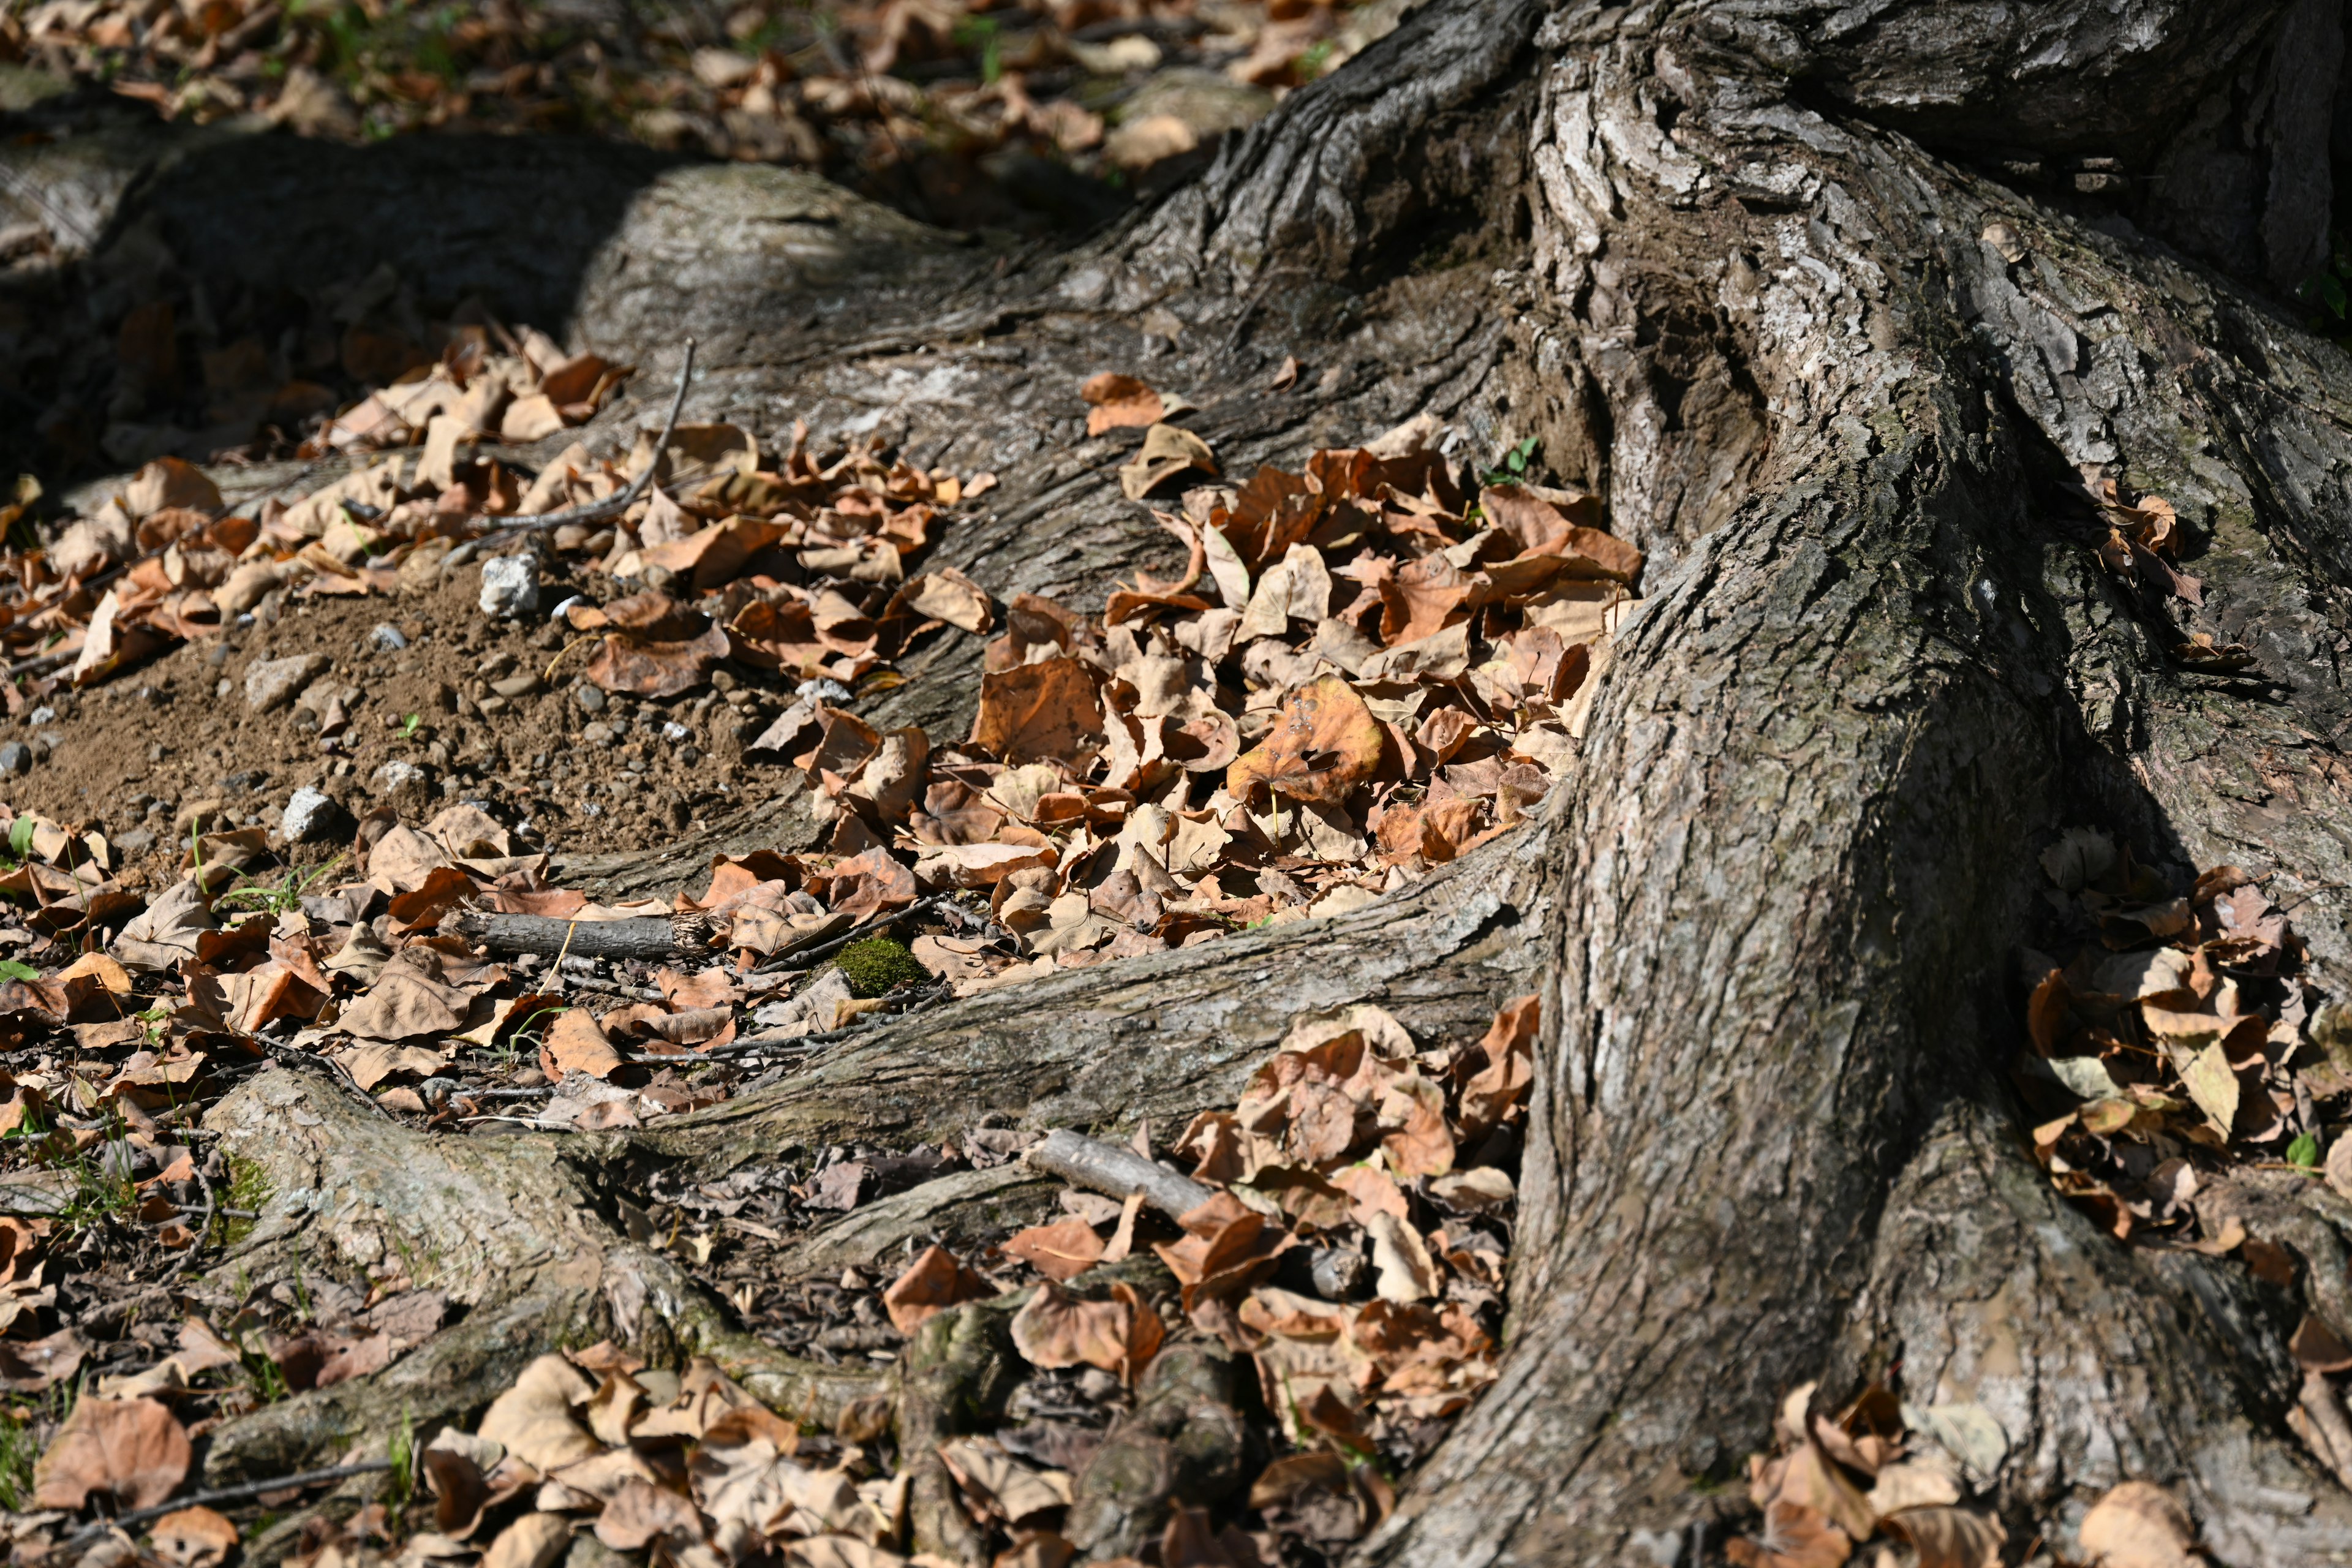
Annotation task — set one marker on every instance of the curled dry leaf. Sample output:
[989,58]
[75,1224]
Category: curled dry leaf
[194,1538]
[1168,450]
[534,1541]
[2138,1525]
[1120,402]
[1951,1537]
[576,1043]
[1055,1330]
[932,1283]
[533,1419]
[1045,710]
[134,1451]
[1325,743]
[1060,1251]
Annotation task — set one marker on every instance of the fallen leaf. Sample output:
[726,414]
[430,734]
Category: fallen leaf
[1120,402]
[134,1451]
[533,1419]
[576,1043]
[639,1513]
[1055,1330]
[2138,1525]
[534,1541]
[1045,710]
[1168,450]
[1060,1251]
[1324,744]
[1496,1090]
[932,1283]
[192,1538]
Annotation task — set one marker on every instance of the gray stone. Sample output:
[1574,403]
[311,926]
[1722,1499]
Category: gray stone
[509,588]
[15,757]
[590,698]
[598,734]
[271,683]
[522,683]
[134,840]
[313,815]
[386,637]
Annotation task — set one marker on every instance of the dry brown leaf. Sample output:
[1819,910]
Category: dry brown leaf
[1951,1537]
[1120,402]
[1055,1330]
[134,1451]
[576,1043]
[945,595]
[1493,1092]
[1045,710]
[1323,745]
[534,1541]
[657,668]
[932,1283]
[639,1513]
[533,1419]
[403,1003]
[1168,450]
[1060,1251]
[194,1538]
[2138,1525]
[1793,1537]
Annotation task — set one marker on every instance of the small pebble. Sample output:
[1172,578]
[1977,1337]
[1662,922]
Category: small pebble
[509,588]
[15,757]
[313,814]
[386,637]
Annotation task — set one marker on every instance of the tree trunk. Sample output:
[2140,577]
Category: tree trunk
[1838,304]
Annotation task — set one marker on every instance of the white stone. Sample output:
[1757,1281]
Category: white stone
[310,814]
[509,588]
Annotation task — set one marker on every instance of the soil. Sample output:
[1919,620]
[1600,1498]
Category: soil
[137,756]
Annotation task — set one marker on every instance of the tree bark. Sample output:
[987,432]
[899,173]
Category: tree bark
[1838,304]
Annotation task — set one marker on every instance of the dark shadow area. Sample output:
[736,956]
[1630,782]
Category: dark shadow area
[191,291]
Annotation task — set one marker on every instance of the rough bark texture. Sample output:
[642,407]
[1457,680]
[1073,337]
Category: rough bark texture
[1732,264]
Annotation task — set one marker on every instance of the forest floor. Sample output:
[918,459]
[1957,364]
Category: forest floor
[318,762]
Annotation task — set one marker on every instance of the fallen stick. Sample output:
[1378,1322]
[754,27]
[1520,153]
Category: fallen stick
[84,1539]
[611,506]
[1108,1168]
[647,937]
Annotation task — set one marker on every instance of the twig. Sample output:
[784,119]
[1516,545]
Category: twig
[90,1537]
[1108,1168]
[204,1228]
[610,506]
[286,1056]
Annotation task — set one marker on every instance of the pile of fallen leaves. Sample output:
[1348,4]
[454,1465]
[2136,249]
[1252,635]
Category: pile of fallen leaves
[176,563]
[904,93]
[1353,1247]
[1884,1469]
[2182,1027]
[1366,668]
[2189,1074]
